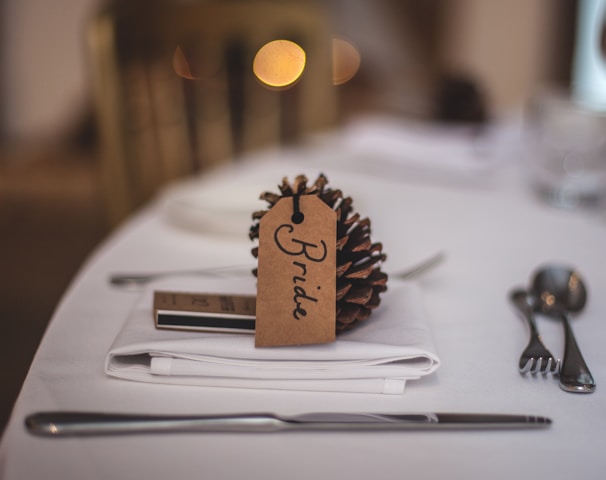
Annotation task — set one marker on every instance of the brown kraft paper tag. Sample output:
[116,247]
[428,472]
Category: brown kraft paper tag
[296,279]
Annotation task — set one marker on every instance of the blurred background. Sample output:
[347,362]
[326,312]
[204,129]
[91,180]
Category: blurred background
[71,83]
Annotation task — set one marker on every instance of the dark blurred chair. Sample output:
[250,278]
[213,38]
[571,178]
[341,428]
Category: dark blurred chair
[176,94]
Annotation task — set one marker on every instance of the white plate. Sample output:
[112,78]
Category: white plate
[204,207]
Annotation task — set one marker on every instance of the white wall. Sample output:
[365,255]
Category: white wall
[508,45]
[44,84]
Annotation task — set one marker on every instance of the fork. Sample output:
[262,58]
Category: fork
[138,279]
[535,358]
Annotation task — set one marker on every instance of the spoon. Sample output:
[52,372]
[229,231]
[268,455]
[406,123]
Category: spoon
[560,291]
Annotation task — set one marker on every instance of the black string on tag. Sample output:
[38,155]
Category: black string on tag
[297,216]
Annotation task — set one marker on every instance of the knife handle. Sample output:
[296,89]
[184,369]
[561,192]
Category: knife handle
[90,423]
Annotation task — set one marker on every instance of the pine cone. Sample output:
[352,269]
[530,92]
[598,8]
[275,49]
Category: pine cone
[360,280]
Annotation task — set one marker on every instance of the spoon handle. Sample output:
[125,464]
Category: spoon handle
[574,375]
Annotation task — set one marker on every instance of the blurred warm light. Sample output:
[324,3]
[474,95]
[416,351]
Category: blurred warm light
[181,65]
[345,60]
[548,298]
[279,63]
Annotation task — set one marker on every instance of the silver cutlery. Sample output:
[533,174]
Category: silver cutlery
[140,279]
[59,424]
[535,358]
[560,291]
[420,267]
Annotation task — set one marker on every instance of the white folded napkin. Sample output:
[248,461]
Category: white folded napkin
[392,346]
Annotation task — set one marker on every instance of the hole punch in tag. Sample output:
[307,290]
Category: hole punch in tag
[296,279]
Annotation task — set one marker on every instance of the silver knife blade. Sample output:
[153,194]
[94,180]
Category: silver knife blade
[92,423]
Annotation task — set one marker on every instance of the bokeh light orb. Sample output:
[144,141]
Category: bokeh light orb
[182,66]
[346,60]
[279,63]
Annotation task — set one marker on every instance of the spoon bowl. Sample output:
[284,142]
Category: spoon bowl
[559,291]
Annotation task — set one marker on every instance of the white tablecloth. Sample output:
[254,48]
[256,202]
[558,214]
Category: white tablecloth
[494,232]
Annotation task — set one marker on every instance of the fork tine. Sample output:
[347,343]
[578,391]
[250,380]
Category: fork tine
[556,367]
[527,366]
[538,365]
[541,365]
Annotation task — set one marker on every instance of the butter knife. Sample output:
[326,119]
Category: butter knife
[59,424]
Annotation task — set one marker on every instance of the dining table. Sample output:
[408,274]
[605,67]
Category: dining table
[464,192]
